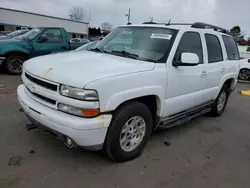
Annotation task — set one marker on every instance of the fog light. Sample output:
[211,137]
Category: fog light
[69,141]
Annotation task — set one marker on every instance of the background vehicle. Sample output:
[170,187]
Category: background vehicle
[4,32]
[113,96]
[244,73]
[80,40]
[13,34]
[37,42]
[87,46]
[244,51]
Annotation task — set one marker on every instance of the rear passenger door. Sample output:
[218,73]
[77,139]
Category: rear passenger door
[216,67]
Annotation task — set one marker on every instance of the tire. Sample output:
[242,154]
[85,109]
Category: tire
[244,74]
[218,106]
[13,64]
[128,113]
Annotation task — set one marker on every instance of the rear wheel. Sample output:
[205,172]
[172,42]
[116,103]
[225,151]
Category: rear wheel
[220,103]
[244,74]
[129,131]
[13,64]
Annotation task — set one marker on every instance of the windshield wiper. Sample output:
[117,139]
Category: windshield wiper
[97,50]
[127,54]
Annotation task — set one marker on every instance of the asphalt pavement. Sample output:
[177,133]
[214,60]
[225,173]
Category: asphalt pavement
[203,153]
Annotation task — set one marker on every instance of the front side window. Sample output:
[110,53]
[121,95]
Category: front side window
[190,42]
[213,48]
[52,35]
[231,48]
[142,43]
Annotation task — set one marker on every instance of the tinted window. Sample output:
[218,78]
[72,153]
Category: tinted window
[231,48]
[53,35]
[190,42]
[213,48]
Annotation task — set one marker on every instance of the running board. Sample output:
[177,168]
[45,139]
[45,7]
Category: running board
[184,117]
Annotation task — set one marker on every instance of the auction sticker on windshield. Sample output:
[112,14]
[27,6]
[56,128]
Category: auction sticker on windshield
[161,36]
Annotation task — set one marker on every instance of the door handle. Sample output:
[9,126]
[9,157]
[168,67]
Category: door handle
[223,70]
[203,74]
[64,47]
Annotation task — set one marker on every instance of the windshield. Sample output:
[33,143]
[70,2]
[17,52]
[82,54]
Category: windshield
[32,33]
[142,43]
[87,46]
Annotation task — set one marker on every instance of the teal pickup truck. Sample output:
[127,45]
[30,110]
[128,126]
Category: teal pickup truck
[37,42]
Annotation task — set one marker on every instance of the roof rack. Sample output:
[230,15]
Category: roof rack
[167,23]
[198,25]
[150,23]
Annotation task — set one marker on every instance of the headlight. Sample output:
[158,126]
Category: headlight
[76,93]
[78,111]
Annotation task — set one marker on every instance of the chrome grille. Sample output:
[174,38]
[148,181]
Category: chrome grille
[42,83]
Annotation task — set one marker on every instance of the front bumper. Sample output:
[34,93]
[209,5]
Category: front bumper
[85,132]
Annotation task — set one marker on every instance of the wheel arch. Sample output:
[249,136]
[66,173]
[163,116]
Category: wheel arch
[230,82]
[23,54]
[153,102]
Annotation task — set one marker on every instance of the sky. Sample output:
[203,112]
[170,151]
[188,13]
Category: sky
[224,13]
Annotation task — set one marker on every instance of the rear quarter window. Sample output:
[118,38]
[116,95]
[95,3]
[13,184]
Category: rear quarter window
[231,48]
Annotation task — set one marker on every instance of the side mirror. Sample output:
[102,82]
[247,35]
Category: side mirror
[187,59]
[42,39]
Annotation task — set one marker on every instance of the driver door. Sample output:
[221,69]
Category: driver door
[186,87]
[54,42]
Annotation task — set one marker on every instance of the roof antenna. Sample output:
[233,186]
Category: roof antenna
[169,21]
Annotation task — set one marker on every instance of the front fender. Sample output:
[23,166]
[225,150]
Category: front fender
[121,97]
[8,48]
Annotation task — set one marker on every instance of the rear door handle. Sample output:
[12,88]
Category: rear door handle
[203,74]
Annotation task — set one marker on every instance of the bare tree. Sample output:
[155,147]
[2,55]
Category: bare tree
[77,13]
[106,27]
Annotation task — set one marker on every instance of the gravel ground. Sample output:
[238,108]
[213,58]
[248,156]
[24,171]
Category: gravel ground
[204,153]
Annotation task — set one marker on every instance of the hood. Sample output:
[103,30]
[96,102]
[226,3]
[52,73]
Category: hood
[77,68]
[10,41]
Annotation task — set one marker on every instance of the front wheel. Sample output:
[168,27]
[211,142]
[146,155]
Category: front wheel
[129,131]
[244,74]
[13,64]
[220,103]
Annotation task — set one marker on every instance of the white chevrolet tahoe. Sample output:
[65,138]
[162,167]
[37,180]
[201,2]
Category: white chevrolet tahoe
[138,79]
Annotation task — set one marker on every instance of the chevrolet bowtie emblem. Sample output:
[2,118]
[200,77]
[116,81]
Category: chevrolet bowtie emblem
[46,74]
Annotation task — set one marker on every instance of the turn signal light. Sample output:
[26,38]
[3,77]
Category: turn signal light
[90,112]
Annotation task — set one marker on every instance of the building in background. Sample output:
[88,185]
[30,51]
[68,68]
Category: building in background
[11,20]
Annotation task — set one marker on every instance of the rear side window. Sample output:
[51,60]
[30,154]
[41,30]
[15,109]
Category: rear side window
[190,42]
[213,48]
[231,48]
